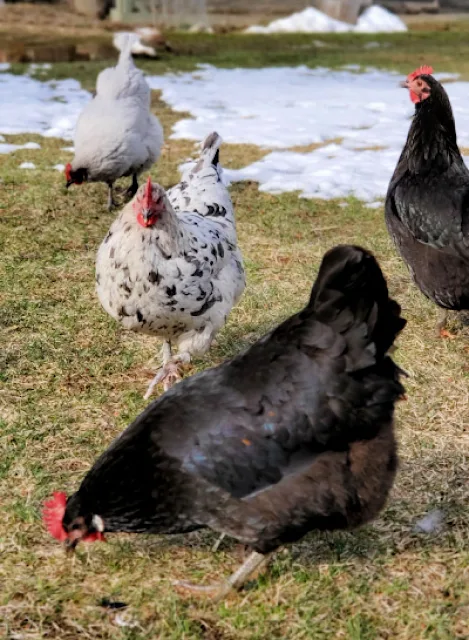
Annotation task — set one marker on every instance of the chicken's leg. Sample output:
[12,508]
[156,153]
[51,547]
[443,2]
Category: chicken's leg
[169,372]
[132,190]
[218,542]
[441,330]
[110,199]
[218,591]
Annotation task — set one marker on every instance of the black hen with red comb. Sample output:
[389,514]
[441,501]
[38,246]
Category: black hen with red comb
[427,204]
[294,434]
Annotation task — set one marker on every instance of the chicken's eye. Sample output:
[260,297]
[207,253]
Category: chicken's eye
[75,526]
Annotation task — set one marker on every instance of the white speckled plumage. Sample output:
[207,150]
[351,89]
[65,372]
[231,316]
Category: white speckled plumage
[179,278]
[116,133]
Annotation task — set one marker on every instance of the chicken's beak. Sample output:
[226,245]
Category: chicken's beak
[147,214]
[72,540]
[404,84]
[70,545]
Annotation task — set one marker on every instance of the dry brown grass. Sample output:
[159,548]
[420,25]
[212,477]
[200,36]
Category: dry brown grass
[71,380]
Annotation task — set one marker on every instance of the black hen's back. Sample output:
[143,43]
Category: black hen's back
[293,434]
[427,205]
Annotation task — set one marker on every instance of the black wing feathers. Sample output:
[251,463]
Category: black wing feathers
[307,387]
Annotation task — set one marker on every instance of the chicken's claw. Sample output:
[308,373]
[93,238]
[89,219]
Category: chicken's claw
[169,374]
[217,591]
[444,333]
[251,566]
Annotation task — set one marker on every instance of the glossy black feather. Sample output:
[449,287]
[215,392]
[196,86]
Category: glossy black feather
[427,205]
[293,434]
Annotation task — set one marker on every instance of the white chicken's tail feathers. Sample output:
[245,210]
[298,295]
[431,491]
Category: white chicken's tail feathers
[210,157]
[124,41]
[211,149]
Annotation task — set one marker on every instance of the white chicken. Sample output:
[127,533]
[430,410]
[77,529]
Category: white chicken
[170,265]
[116,134]
[137,47]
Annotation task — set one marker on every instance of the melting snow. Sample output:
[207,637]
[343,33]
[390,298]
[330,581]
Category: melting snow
[279,108]
[48,108]
[27,165]
[8,148]
[39,67]
[59,167]
[359,120]
[375,19]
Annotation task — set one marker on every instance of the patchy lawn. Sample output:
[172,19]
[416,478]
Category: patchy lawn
[71,379]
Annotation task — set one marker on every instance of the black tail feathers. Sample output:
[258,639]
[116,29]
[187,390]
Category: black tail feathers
[351,291]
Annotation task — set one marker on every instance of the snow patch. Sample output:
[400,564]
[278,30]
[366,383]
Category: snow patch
[27,165]
[310,20]
[39,67]
[59,167]
[51,109]
[9,148]
[375,19]
[279,108]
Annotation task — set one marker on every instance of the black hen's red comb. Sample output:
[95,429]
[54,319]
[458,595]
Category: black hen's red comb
[53,513]
[424,70]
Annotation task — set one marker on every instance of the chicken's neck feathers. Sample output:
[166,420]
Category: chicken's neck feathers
[431,143]
[166,232]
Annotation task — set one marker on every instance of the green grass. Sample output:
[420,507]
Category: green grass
[447,50]
[71,379]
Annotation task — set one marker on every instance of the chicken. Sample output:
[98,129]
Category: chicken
[170,266]
[116,134]
[293,435]
[137,47]
[427,204]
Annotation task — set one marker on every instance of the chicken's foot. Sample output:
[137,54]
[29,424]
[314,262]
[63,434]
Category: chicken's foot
[132,190]
[441,330]
[238,579]
[170,372]
[110,200]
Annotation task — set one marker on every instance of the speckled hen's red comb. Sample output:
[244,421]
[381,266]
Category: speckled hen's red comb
[424,70]
[147,194]
[53,513]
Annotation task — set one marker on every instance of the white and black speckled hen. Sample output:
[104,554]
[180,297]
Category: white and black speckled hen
[116,134]
[295,434]
[170,265]
[427,205]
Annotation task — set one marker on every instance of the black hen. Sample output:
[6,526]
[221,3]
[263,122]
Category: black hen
[427,205]
[292,435]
